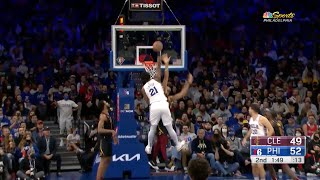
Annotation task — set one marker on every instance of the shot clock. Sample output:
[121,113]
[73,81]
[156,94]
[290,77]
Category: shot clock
[277,149]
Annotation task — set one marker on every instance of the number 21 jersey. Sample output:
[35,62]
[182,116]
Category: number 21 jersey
[154,91]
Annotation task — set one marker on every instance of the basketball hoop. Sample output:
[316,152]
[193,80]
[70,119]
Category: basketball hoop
[150,68]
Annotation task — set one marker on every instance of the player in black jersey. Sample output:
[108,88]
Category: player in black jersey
[106,135]
[278,131]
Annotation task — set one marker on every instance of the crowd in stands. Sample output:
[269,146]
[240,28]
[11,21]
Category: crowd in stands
[50,49]
[244,62]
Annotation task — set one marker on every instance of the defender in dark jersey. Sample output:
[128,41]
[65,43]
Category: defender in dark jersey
[278,131]
[106,135]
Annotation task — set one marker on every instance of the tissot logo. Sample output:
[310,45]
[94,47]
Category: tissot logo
[125,157]
[151,6]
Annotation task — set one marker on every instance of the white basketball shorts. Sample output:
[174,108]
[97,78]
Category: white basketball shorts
[160,111]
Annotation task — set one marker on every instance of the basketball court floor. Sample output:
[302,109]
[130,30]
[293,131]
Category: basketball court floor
[89,176]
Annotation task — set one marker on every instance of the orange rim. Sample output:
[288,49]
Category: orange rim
[148,63]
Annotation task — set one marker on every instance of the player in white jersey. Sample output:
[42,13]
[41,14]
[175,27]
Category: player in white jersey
[258,123]
[159,107]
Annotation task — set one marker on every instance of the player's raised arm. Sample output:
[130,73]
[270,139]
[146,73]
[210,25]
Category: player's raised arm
[184,89]
[266,123]
[166,61]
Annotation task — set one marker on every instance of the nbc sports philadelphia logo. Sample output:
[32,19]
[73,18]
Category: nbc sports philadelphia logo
[278,17]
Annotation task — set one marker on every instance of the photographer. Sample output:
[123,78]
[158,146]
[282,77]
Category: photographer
[30,167]
[4,174]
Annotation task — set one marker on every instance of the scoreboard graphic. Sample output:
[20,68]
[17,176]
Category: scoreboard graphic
[277,150]
[145,5]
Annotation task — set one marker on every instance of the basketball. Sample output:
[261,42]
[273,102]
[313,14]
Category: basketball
[157,46]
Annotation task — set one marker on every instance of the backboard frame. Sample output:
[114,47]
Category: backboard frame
[184,53]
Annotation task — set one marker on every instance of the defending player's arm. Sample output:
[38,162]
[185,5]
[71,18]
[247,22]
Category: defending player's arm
[166,61]
[184,89]
[157,77]
[266,123]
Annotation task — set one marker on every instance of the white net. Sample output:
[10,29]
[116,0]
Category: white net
[150,68]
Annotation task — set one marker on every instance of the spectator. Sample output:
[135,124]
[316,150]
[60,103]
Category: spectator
[30,167]
[38,133]
[235,143]
[40,99]
[208,128]
[27,143]
[140,100]
[73,141]
[315,139]
[182,121]
[293,106]
[178,112]
[225,161]
[20,135]
[48,151]
[89,104]
[245,150]
[14,124]
[302,90]
[12,153]
[199,124]
[5,132]
[290,128]
[310,127]
[201,148]
[104,95]
[224,131]
[280,107]
[202,112]
[311,165]
[219,125]
[31,122]
[188,137]
[3,119]
[223,112]
[307,106]
[65,109]
[4,164]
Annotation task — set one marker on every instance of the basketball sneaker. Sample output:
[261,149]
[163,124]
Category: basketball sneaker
[153,165]
[180,145]
[170,169]
[148,149]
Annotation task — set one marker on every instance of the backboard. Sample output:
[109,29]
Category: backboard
[132,44]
